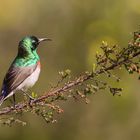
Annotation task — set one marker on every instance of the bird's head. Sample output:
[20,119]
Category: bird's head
[29,44]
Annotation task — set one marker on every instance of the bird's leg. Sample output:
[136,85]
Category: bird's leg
[14,99]
[30,97]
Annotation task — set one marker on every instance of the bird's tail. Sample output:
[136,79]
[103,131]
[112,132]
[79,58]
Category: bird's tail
[1,99]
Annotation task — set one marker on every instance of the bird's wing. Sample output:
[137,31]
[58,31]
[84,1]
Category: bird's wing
[15,76]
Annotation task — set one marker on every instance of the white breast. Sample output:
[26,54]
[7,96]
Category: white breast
[31,80]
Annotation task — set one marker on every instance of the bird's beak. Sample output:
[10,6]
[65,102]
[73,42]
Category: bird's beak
[43,39]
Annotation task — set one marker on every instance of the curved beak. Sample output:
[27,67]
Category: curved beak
[43,39]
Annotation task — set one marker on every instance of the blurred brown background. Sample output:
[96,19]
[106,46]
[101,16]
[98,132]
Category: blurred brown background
[77,28]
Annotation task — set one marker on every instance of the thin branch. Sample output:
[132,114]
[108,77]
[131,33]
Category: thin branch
[64,88]
[111,59]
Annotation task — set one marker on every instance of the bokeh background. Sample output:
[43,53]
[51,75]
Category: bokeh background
[77,28]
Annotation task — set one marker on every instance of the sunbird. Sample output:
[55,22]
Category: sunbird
[24,70]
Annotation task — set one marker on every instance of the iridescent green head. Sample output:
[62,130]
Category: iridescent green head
[29,44]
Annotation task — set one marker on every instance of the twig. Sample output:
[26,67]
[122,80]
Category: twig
[64,88]
[105,65]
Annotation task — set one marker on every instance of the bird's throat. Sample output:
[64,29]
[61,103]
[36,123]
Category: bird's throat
[27,60]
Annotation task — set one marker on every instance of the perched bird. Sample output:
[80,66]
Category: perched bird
[25,69]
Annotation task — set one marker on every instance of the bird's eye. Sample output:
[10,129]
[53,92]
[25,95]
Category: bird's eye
[33,41]
[34,44]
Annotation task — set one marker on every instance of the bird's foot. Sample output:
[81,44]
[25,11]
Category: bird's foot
[30,100]
[30,97]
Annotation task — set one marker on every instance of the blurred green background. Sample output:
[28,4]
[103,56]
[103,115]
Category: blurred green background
[77,28]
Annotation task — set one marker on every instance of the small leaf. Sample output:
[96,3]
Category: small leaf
[34,95]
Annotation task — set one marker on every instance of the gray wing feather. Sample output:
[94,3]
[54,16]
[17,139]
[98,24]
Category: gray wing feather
[15,76]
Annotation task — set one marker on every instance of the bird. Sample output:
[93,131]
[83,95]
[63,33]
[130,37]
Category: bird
[24,71]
